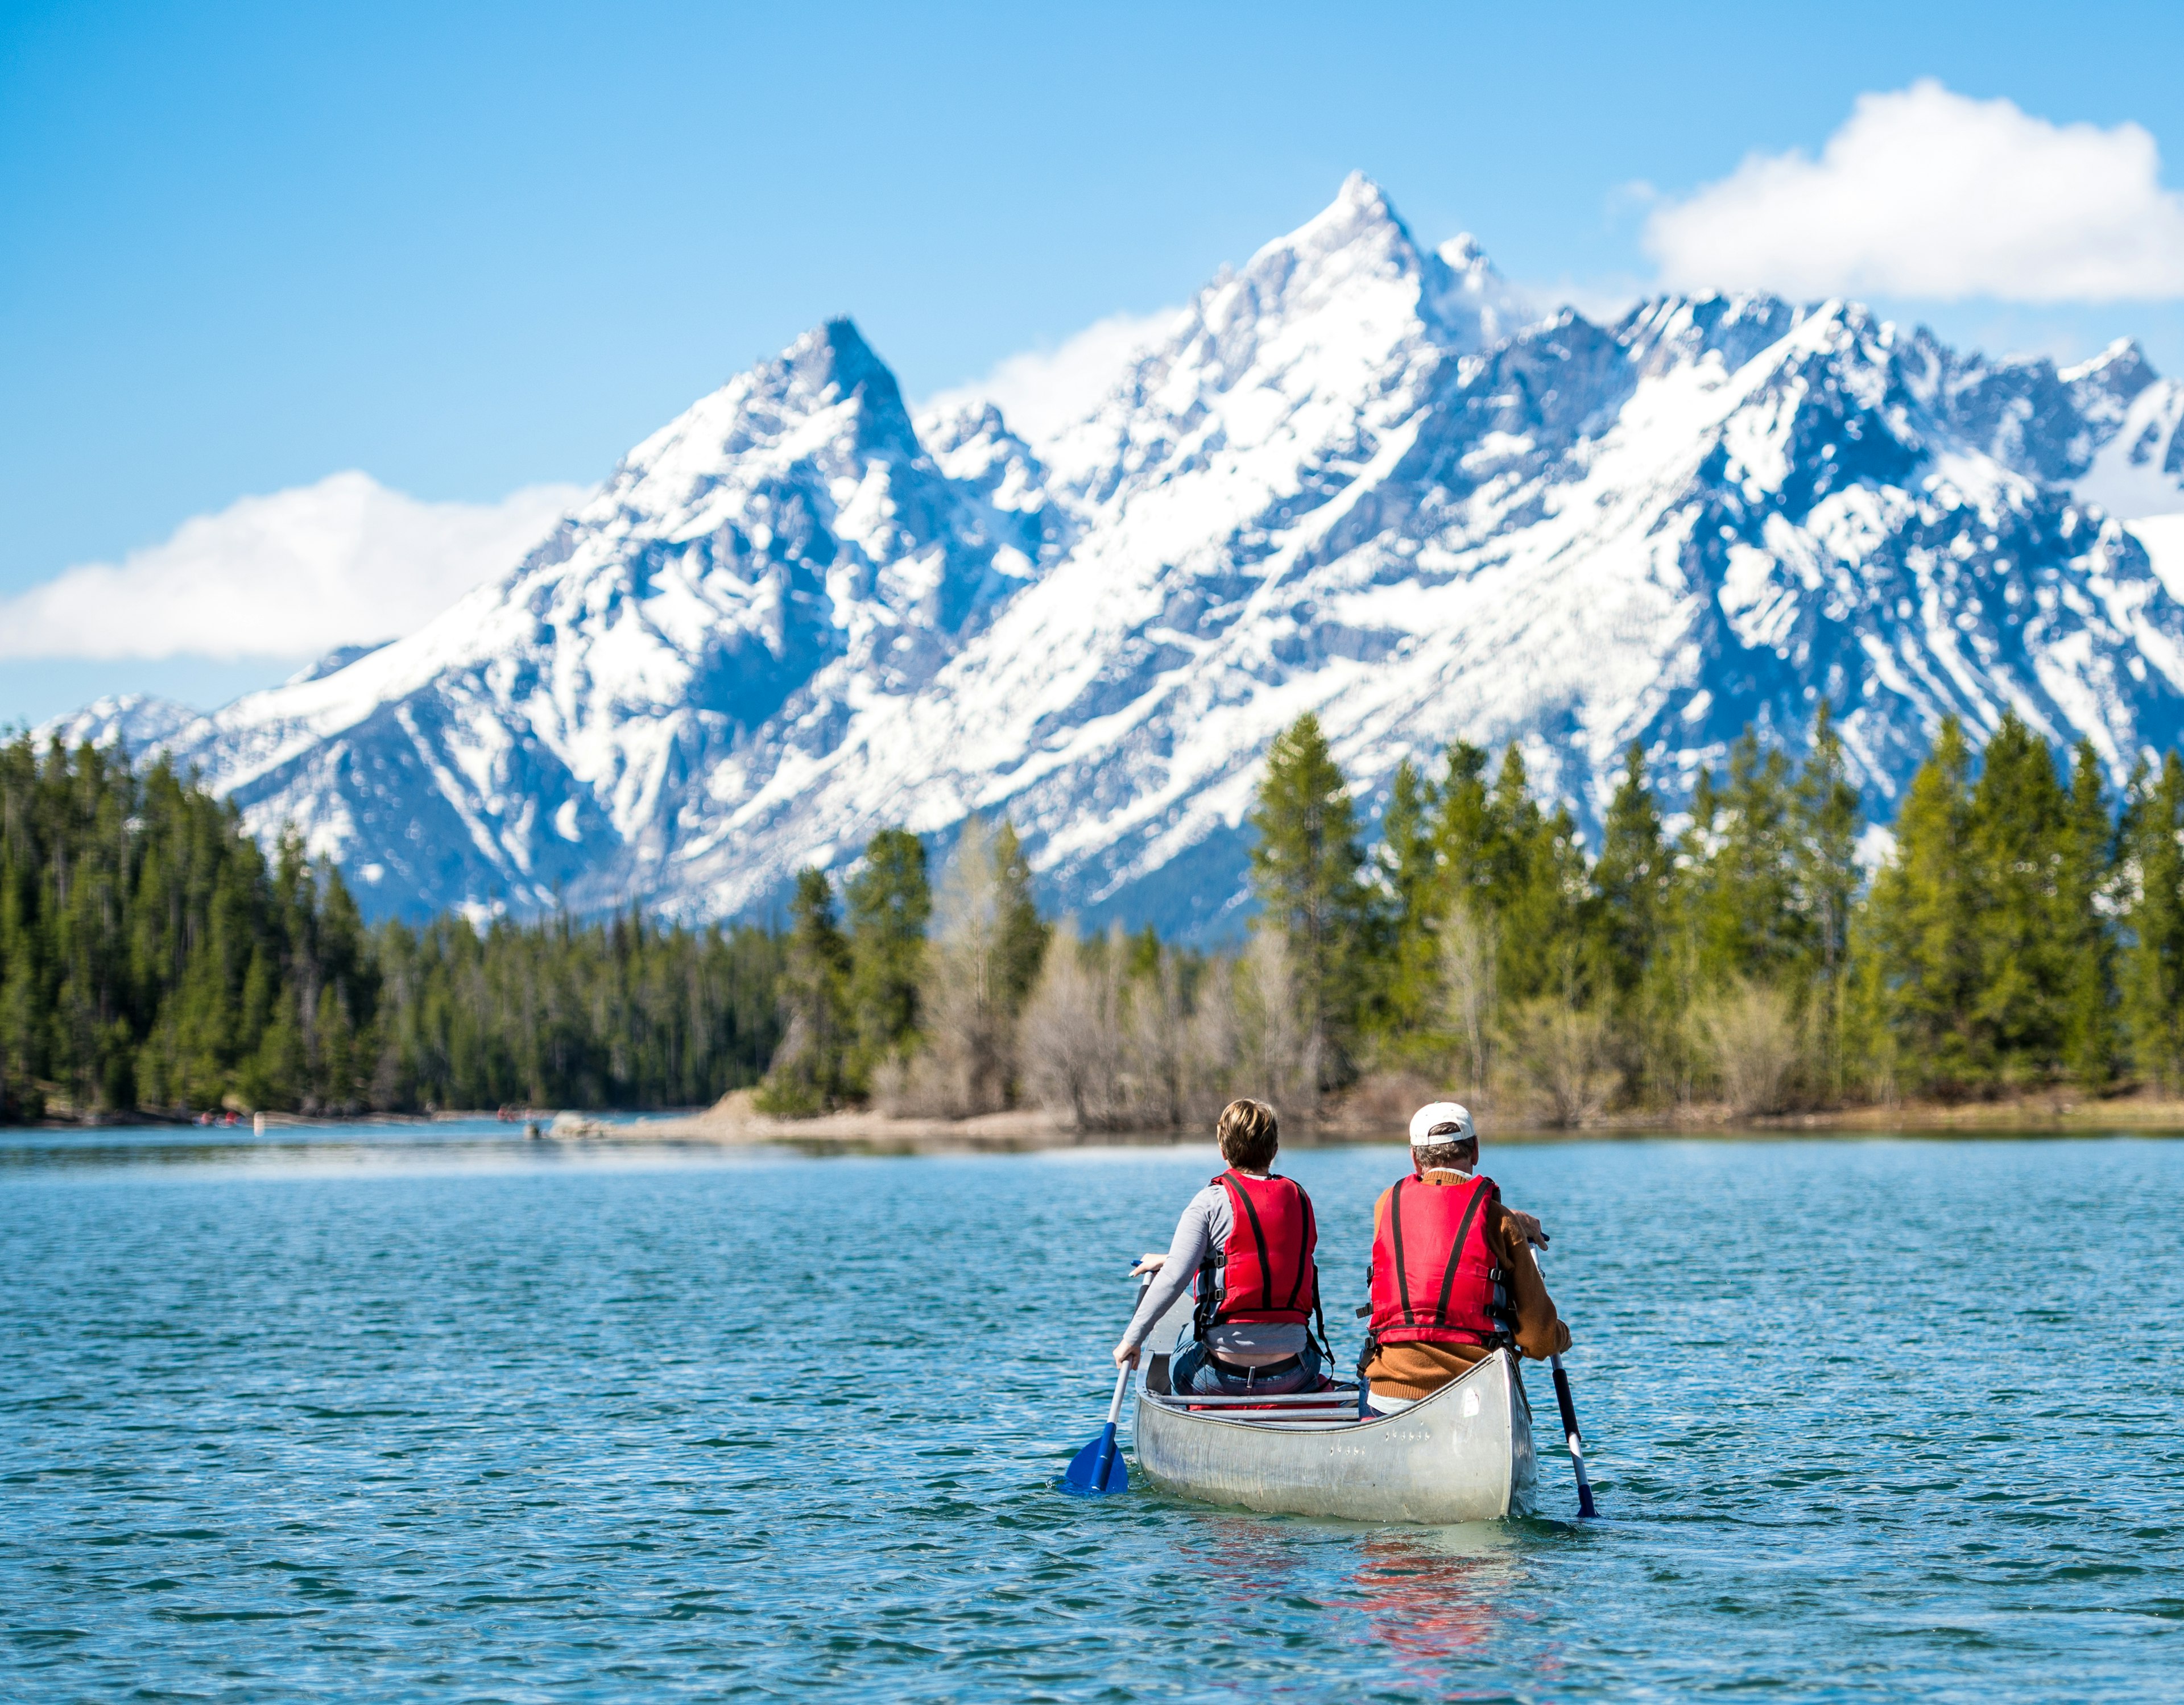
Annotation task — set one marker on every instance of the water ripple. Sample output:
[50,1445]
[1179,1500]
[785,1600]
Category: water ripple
[379,1416]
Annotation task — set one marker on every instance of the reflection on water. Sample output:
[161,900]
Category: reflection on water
[1431,1598]
[389,1147]
[438,1413]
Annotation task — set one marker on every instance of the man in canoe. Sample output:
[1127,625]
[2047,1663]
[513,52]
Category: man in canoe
[1452,1276]
[1249,1238]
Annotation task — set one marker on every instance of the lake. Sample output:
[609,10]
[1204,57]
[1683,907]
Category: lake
[428,1413]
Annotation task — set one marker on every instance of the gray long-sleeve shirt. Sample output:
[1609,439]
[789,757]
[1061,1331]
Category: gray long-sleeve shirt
[1207,1222]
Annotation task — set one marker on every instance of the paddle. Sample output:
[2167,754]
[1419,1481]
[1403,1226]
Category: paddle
[1570,1435]
[1099,1468]
[1585,1506]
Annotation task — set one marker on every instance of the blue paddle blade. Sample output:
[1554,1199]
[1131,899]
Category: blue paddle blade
[1098,1468]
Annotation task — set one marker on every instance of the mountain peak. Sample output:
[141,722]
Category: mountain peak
[1352,476]
[1361,214]
[1364,196]
[1464,252]
[832,363]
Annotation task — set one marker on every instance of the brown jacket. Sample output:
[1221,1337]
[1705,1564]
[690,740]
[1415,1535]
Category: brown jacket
[1419,1370]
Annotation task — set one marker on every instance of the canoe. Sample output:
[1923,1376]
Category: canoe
[1462,1455]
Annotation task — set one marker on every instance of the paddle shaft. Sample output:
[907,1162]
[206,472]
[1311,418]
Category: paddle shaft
[1115,1408]
[1107,1438]
[1585,1505]
[1570,1434]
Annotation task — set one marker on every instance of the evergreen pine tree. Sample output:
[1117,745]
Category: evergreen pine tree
[1745,898]
[1537,887]
[1021,946]
[1307,874]
[806,1076]
[2154,954]
[1827,822]
[2081,935]
[1632,878]
[2015,827]
[1462,832]
[890,901]
[1923,935]
[1411,868]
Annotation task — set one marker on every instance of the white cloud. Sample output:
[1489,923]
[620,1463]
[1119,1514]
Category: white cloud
[1925,192]
[1042,392]
[345,562]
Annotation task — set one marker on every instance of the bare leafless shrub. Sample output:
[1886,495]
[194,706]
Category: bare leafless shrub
[1072,1041]
[1156,1040]
[1559,1054]
[1750,1038]
[1468,976]
[968,1063]
[1278,1056]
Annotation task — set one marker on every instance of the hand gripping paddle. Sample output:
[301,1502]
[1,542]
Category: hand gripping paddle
[1099,1468]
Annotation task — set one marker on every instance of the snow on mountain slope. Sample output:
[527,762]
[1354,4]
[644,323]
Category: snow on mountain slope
[1351,479]
[783,553]
[2138,474]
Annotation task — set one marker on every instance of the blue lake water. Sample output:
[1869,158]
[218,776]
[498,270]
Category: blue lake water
[435,1414]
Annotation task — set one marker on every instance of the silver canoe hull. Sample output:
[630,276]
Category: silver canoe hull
[1462,1455]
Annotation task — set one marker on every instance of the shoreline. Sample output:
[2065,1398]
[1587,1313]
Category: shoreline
[734,1122]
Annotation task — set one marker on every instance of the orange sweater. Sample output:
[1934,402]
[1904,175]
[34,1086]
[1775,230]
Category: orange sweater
[1419,1370]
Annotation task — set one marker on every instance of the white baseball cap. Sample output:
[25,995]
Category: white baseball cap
[1424,1120]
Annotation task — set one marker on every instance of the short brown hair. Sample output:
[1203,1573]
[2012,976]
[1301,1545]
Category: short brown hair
[1248,1134]
[1454,1157]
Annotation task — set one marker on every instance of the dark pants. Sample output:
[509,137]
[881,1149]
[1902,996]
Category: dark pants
[1193,1373]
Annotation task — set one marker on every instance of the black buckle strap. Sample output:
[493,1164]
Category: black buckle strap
[1265,1370]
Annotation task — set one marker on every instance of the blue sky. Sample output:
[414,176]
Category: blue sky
[468,249]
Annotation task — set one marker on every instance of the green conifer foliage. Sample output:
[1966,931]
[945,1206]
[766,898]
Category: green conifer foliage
[1634,877]
[890,902]
[807,1072]
[1743,871]
[1829,822]
[2015,830]
[1308,869]
[1021,947]
[1536,884]
[151,960]
[2083,933]
[1923,937]
[1410,866]
[1461,831]
[2153,952]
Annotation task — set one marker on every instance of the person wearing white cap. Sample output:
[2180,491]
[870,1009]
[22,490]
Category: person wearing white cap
[1452,1276]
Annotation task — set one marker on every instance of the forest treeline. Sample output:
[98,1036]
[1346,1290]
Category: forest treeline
[151,956]
[2025,930]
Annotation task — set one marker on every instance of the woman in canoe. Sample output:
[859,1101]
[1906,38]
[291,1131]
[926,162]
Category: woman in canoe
[1452,1276]
[1249,1238]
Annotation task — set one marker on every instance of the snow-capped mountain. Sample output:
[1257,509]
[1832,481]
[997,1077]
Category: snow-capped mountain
[1354,476]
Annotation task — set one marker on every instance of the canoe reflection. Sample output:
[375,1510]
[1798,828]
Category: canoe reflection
[1432,1598]
[1252,1561]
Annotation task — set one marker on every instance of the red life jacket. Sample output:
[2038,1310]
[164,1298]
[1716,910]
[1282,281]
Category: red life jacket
[1435,1280]
[1265,1273]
